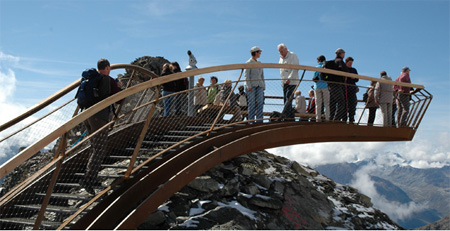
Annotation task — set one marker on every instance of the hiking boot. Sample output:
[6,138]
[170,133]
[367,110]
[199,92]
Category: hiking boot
[88,187]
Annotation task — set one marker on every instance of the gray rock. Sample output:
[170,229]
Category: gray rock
[266,202]
[251,189]
[204,184]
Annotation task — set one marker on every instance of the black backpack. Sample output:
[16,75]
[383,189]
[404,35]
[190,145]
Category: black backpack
[330,64]
[89,91]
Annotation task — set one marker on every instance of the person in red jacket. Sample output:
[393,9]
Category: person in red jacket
[404,97]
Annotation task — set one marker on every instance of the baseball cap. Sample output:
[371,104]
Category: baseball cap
[255,48]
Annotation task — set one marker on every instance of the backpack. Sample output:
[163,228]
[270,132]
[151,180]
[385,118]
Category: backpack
[89,91]
[330,64]
[365,97]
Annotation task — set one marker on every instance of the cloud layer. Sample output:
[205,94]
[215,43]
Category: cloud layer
[425,151]
[397,211]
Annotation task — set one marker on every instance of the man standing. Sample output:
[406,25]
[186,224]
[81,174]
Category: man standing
[404,96]
[289,78]
[107,87]
[336,88]
[255,86]
[351,90]
[384,97]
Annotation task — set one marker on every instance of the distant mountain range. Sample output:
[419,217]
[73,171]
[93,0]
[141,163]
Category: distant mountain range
[422,196]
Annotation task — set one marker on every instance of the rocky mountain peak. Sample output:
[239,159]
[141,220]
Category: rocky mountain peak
[264,191]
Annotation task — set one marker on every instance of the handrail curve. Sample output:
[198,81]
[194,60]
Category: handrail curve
[29,151]
[153,138]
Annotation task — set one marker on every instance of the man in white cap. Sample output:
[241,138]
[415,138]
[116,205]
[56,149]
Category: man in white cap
[289,78]
[403,97]
[255,86]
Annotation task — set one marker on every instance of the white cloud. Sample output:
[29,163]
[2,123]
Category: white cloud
[7,85]
[397,211]
[427,150]
[8,59]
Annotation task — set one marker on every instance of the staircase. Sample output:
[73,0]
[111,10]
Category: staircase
[67,196]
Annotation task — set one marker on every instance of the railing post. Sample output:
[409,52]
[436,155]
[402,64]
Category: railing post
[412,109]
[428,99]
[62,153]
[293,93]
[141,138]
[422,102]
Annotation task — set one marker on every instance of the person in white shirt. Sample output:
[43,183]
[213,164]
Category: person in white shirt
[289,78]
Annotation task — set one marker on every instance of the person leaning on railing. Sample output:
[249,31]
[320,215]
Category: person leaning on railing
[403,97]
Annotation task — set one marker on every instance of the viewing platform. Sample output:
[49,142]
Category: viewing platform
[149,156]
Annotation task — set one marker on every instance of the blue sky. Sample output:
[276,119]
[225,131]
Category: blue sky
[44,46]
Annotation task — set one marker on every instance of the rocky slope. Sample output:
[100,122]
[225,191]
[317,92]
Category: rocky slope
[264,191]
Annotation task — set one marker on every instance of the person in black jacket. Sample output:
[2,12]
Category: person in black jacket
[168,89]
[350,90]
[337,90]
[180,85]
[108,87]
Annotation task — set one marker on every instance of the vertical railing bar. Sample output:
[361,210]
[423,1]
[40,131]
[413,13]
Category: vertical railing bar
[127,86]
[412,109]
[419,113]
[140,140]
[293,93]
[428,99]
[415,112]
[222,108]
[62,153]
[416,117]
[137,104]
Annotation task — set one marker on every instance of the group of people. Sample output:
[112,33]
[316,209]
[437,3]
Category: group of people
[336,97]
[333,97]
[172,87]
[218,95]
[390,98]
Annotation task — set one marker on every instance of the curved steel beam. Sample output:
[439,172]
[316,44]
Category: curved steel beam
[159,184]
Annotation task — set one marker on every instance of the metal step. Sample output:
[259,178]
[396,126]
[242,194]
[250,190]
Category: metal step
[68,196]
[50,208]
[30,222]
[202,128]
[129,157]
[184,132]
[120,166]
[102,175]
[163,142]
